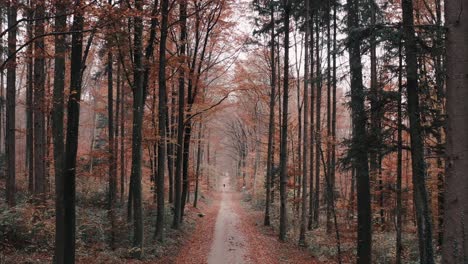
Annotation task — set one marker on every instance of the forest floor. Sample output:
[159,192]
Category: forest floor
[229,234]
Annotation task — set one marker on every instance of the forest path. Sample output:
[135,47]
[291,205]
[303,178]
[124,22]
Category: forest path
[231,234]
[229,244]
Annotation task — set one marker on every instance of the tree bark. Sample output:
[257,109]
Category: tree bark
[455,248]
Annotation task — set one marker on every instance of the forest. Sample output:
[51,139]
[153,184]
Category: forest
[233,131]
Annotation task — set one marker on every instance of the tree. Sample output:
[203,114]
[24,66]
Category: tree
[138,107]
[284,128]
[10,108]
[58,110]
[271,120]
[423,217]
[359,148]
[39,103]
[111,144]
[162,119]
[454,248]
[306,128]
[180,122]
[71,145]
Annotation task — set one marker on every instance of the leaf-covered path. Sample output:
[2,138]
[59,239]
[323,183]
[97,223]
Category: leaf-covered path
[229,234]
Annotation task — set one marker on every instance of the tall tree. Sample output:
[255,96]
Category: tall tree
[138,107]
[306,128]
[39,102]
[180,122]
[359,147]
[11,106]
[455,248]
[29,99]
[162,116]
[271,121]
[112,170]
[318,128]
[284,128]
[420,195]
[71,145]
[58,111]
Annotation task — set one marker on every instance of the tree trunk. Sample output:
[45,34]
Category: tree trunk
[57,126]
[305,142]
[11,108]
[39,103]
[138,107]
[318,128]
[455,248]
[71,146]
[271,121]
[112,164]
[417,145]
[162,116]
[399,224]
[359,147]
[29,103]
[197,171]
[312,123]
[329,99]
[284,128]
[178,198]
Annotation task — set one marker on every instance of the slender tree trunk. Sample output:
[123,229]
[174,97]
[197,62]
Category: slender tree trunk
[39,103]
[122,142]
[171,145]
[306,128]
[318,128]
[417,145]
[178,198]
[197,171]
[271,121]
[58,110]
[11,108]
[138,106]
[455,248]
[312,123]
[399,224]
[333,125]
[359,147]
[284,128]
[29,103]
[71,146]
[329,87]
[112,164]
[162,115]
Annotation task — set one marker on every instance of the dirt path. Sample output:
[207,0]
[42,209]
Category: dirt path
[229,234]
[229,244]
